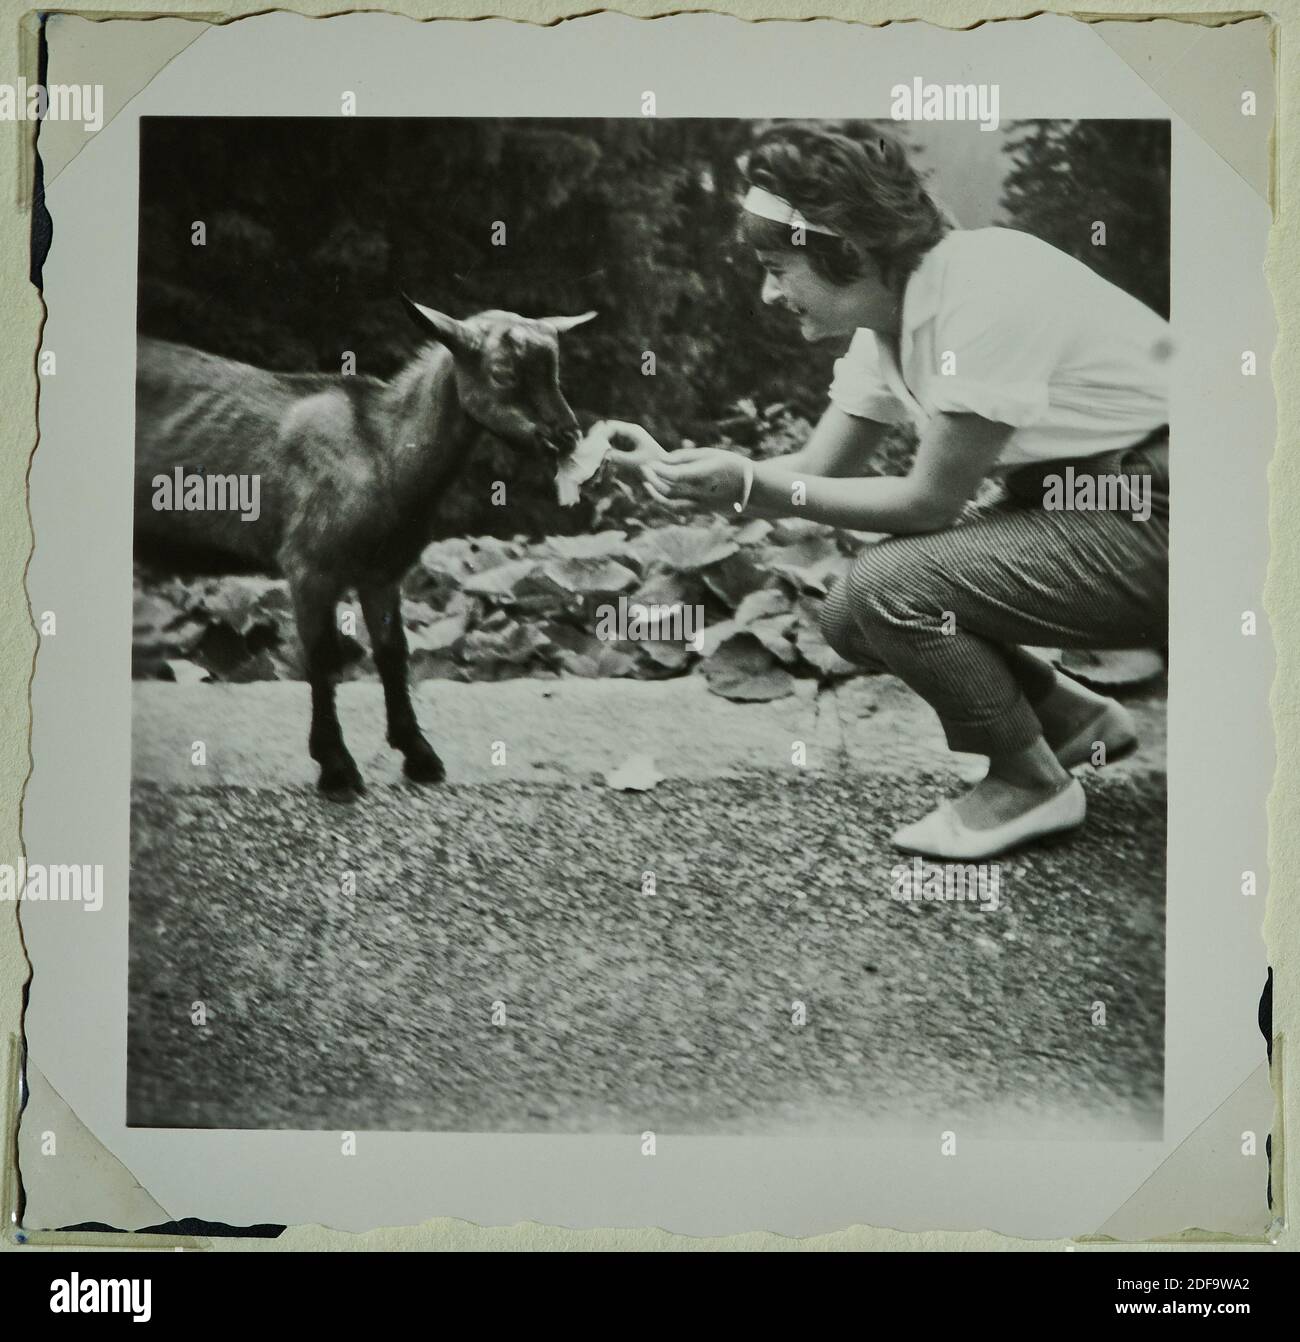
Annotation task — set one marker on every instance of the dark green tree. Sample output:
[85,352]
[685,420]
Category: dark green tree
[1068,176]
[313,227]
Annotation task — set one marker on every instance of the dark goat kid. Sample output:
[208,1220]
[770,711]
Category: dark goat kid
[347,473]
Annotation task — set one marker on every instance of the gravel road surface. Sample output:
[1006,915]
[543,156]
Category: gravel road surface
[504,964]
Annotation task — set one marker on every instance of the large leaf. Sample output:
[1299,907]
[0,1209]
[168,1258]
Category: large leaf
[660,658]
[715,635]
[789,530]
[764,604]
[187,673]
[754,531]
[441,666]
[462,556]
[663,588]
[417,613]
[445,565]
[583,654]
[155,623]
[685,549]
[539,595]
[769,616]
[499,583]
[233,656]
[601,545]
[491,654]
[772,634]
[590,576]
[441,636]
[1112,668]
[743,669]
[736,577]
[240,603]
[260,666]
[813,647]
[810,565]
[187,635]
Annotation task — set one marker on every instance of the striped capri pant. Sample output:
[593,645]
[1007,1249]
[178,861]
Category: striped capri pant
[947,612]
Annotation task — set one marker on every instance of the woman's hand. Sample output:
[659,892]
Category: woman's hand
[707,475]
[634,452]
[632,447]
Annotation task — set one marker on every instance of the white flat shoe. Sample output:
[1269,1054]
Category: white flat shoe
[943,834]
[1113,727]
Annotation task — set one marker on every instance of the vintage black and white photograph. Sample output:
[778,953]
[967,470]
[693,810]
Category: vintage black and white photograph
[651,625]
[617,643]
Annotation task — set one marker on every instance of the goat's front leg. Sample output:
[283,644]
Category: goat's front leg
[314,600]
[382,606]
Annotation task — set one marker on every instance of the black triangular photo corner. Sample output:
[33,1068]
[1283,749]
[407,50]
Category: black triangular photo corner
[188,1225]
[42,224]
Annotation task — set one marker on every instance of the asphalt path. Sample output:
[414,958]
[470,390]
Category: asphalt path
[723,953]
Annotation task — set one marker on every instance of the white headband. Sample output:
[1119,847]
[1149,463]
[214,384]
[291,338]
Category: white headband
[767,205]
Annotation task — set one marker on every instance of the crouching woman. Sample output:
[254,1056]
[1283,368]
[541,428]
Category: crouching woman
[1014,361]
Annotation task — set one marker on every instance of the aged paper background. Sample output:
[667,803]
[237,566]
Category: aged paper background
[23,315]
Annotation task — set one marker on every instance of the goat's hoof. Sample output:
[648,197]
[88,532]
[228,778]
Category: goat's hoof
[424,767]
[341,784]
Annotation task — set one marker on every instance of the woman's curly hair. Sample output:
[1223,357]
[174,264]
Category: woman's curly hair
[866,190]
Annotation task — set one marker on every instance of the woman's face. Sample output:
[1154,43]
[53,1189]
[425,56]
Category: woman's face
[824,308]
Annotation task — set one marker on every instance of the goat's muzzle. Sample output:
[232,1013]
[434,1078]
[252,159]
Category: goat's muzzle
[561,439]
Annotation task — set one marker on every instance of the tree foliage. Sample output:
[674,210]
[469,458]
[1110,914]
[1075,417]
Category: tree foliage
[1068,176]
[314,226]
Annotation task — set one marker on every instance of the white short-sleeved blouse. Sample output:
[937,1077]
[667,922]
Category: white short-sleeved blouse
[1000,324]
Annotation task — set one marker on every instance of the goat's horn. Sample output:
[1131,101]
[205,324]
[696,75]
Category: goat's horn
[452,333]
[563,324]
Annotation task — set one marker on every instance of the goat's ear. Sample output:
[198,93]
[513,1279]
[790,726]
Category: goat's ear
[563,324]
[455,335]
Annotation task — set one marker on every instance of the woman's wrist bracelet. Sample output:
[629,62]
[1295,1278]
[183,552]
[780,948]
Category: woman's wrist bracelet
[748,487]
